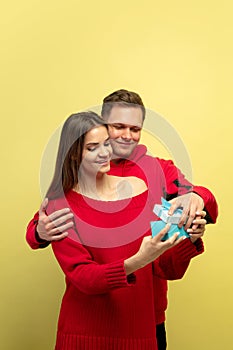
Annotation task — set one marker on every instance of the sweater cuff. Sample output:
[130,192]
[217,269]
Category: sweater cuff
[199,245]
[187,250]
[116,276]
[42,243]
[210,205]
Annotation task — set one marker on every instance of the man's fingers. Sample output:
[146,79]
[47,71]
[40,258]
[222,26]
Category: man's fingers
[58,230]
[59,237]
[58,222]
[174,206]
[201,228]
[201,213]
[43,206]
[183,219]
[191,216]
[54,226]
[56,214]
[196,232]
[199,221]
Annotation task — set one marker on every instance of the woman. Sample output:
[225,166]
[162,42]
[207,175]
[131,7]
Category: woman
[109,256]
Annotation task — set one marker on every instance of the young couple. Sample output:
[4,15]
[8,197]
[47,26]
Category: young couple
[98,223]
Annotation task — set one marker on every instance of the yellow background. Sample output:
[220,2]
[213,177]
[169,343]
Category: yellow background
[58,57]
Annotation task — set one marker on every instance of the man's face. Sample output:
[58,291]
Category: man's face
[124,125]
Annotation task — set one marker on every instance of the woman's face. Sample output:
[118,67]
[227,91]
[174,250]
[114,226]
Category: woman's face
[97,151]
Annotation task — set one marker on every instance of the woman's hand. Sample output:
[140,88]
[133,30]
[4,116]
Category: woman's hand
[151,248]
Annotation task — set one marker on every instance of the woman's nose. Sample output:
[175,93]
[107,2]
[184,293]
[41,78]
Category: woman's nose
[104,151]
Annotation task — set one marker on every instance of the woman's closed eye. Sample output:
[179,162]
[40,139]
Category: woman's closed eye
[91,149]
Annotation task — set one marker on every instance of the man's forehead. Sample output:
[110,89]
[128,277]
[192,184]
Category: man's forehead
[127,116]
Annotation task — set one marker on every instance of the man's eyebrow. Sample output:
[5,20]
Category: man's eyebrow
[117,124]
[126,125]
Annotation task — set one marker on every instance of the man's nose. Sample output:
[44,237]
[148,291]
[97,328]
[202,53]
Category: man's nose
[126,134]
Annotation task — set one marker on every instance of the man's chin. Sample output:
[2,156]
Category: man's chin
[121,155]
[122,152]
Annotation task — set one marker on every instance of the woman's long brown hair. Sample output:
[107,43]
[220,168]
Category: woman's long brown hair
[70,151]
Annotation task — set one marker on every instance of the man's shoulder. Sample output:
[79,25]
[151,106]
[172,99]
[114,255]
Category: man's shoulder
[141,154]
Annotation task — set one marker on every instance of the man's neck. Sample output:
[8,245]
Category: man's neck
[117,160]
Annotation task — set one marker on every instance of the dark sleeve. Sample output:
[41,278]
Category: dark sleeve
[32,237]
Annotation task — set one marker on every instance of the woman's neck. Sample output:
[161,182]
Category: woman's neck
[99,187]
[110,188]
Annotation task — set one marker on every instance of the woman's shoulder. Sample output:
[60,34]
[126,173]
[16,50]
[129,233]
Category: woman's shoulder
[129,186]
[136,181]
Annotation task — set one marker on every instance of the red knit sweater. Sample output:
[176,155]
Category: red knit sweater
[161,176]
[102,308]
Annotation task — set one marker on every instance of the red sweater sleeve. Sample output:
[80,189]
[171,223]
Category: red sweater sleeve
[177,185]
[86,274]
[32,236]
[173,264]
[77,261]
[210,204]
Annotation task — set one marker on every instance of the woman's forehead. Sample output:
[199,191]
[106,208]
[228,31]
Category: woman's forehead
[97,134]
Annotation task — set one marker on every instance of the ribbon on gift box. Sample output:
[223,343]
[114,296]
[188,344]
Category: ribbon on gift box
[161,210]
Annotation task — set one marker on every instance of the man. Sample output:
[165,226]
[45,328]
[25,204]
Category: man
[124,112]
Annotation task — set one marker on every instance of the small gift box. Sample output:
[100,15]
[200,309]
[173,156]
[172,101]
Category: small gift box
[162,212]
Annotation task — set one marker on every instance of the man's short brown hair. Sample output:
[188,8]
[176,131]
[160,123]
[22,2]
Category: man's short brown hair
[122,98]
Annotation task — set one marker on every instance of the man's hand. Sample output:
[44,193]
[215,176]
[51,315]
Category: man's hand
[198,228]
[53,227]
[191,204]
